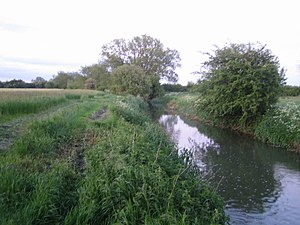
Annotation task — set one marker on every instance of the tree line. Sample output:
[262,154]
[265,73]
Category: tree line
[137,66]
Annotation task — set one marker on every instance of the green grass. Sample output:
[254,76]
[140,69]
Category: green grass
[17,102]
[130,172]
[29,106]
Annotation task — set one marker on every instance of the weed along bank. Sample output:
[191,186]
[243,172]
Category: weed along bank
[98,158]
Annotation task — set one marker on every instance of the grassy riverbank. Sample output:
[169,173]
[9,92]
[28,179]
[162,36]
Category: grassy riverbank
[279,127]
[101,160]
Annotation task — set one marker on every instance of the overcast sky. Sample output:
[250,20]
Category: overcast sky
[42,37]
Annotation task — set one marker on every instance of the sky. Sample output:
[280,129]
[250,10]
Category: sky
[42,37]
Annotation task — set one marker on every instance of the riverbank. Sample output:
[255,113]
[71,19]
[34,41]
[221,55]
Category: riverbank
[279,127]
[102,160]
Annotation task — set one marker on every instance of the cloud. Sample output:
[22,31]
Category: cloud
[40,62]
[13,27]
[29,68]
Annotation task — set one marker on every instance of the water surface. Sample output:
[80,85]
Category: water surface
[260,184]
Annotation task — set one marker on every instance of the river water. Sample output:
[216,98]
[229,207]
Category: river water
[259,184]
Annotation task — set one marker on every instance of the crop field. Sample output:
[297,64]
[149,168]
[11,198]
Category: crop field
[15,102]
[94,158]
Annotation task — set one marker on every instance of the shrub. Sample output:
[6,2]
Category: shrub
[239,84]
[130,79]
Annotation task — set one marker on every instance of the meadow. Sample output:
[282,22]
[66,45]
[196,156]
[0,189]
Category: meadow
[98,159]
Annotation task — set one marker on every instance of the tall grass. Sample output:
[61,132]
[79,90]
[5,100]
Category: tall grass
[134,176]
[29,106]
[25,101]
[132,172]
[38,180]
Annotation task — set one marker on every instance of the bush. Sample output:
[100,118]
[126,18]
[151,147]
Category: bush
[130,79]
[239,84]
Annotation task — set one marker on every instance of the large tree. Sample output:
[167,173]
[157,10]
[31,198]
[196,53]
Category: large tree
[145,52]
[239,83]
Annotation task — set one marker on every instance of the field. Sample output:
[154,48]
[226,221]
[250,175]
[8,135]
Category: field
[85,157]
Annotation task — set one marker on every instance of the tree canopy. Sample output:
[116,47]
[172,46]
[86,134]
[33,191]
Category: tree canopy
[131,79]
[146,52]
[239,83]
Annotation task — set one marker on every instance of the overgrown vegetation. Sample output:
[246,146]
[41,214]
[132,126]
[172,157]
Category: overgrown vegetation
[114,168]
[288,90]
[16,102]
[131,79]
[281,126]
[239,84]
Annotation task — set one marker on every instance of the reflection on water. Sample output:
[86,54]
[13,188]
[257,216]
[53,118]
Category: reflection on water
[260,184]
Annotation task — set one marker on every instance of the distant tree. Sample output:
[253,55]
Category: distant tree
[60,80]
[1,84]
[131,79]
[174,88]
[90,83]
[239,83]
[15,84]
[50,84]
[146,52]
[288,90]
[191,86]
[76,81]
[100,75]
[39,82]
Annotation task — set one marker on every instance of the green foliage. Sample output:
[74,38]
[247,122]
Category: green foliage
[130,79]
[97,73]
[90,83]
[146,52]
[16,84]
[156,89]
[60,80]
[239,84]
[76,81]
[288,90]
[174,88]
[39,82]
[281,127]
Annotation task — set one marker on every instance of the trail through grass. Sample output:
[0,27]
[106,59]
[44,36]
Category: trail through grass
[101,160]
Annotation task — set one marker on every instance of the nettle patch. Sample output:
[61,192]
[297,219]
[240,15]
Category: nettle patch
[281,126]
